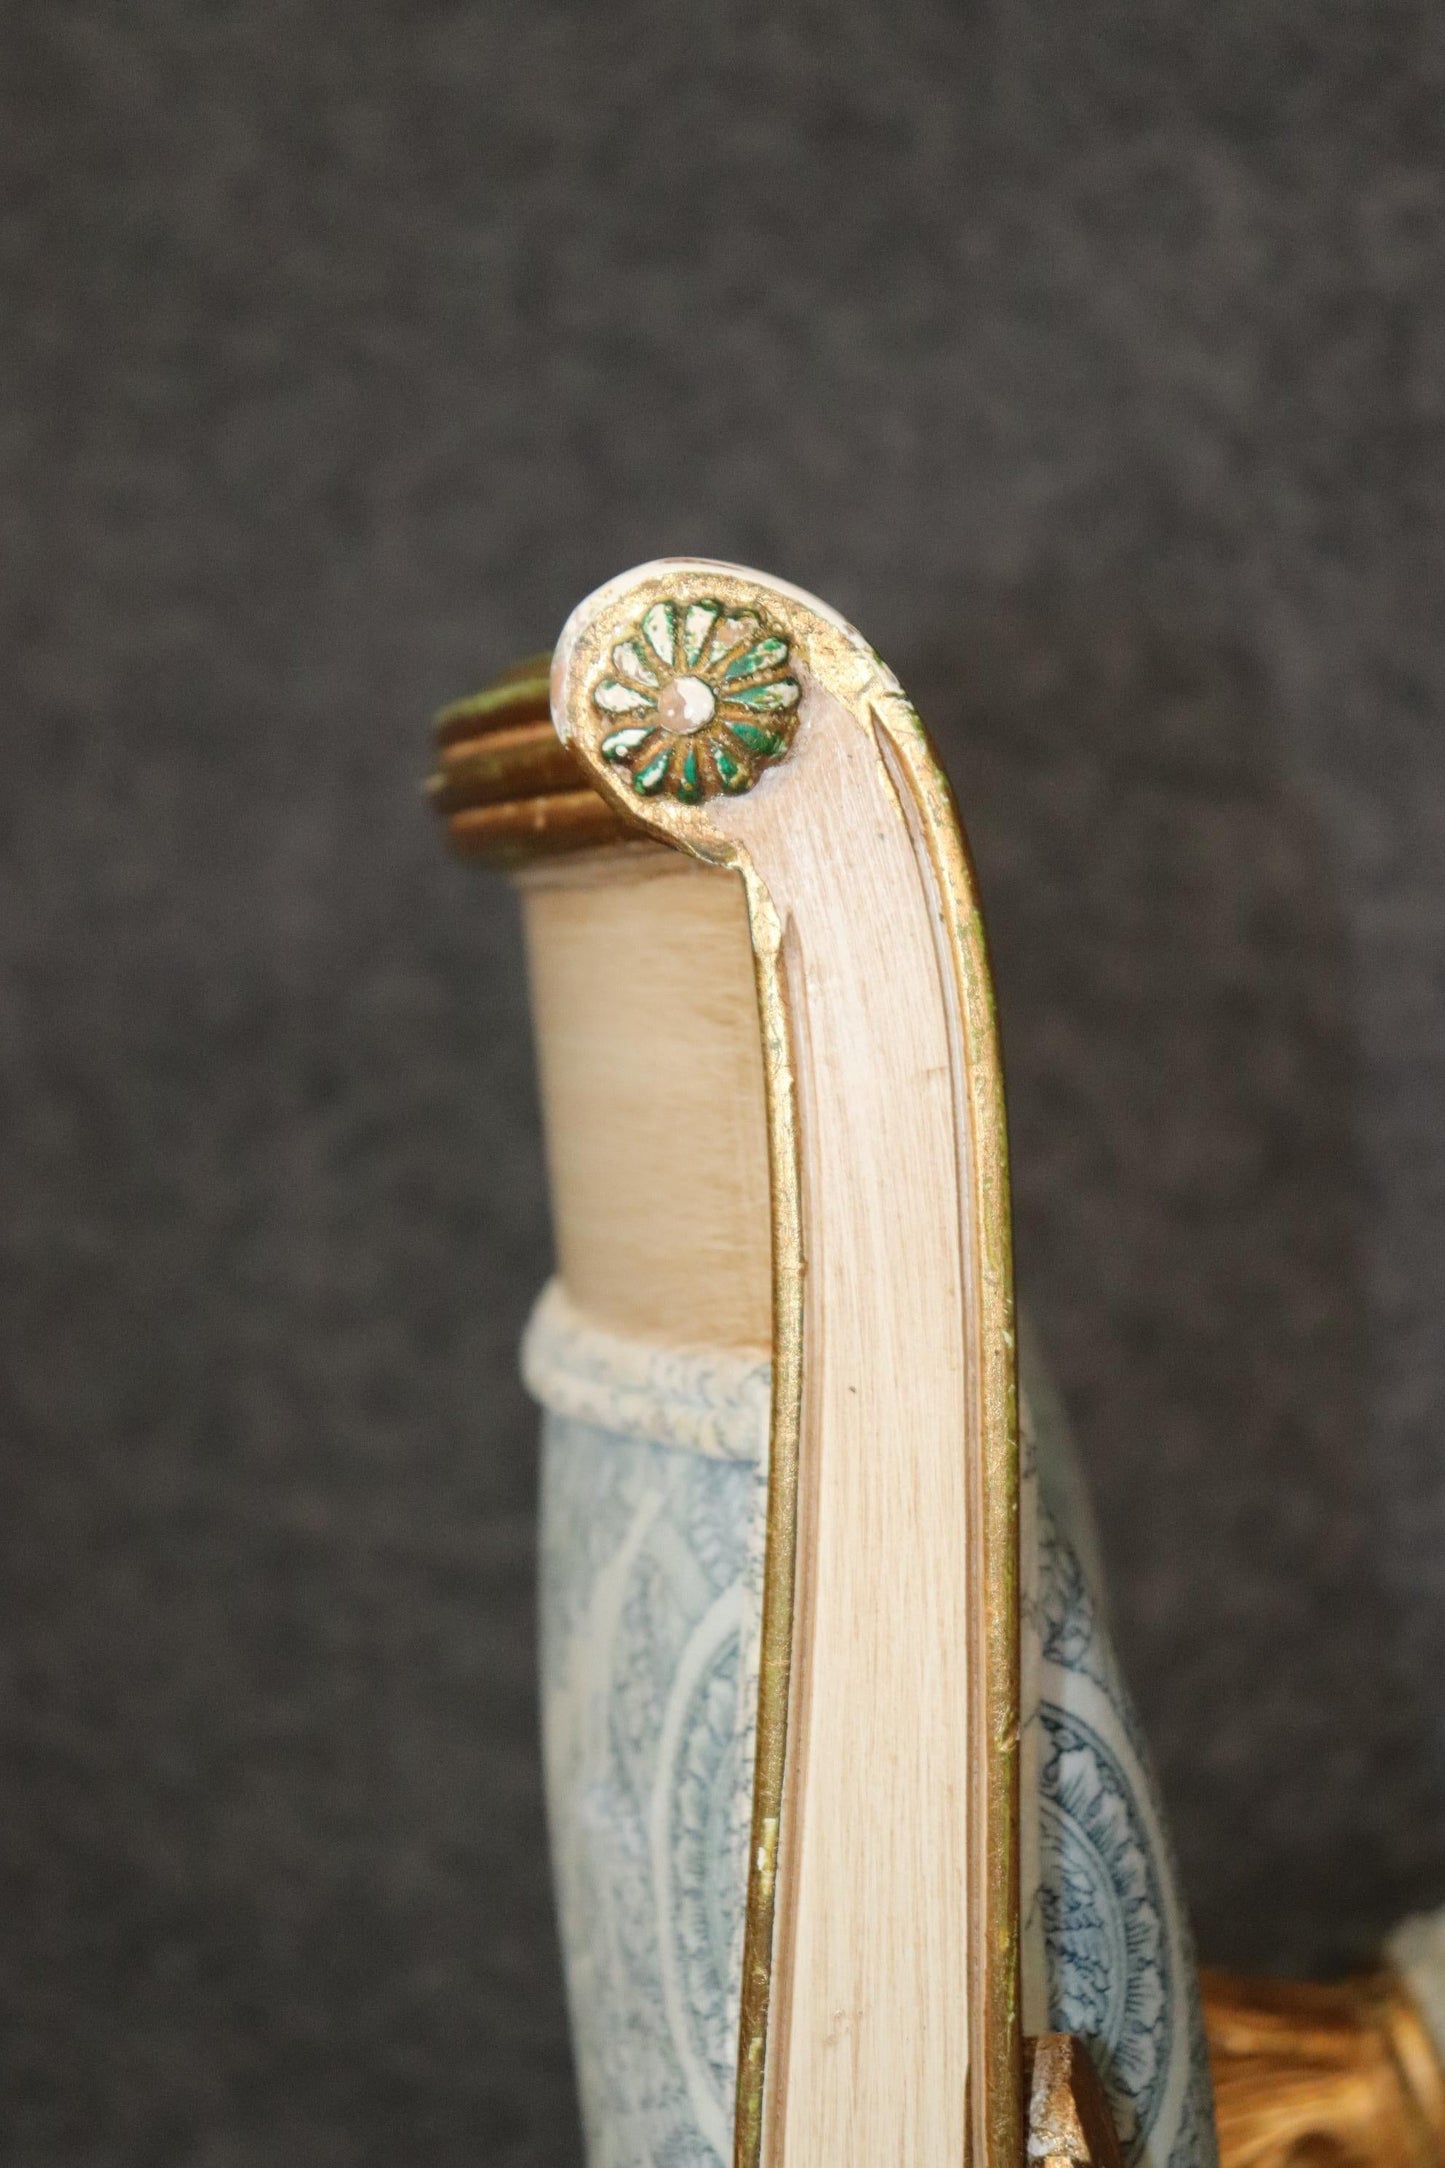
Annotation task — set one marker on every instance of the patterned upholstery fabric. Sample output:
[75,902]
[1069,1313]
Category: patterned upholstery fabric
[654,1466]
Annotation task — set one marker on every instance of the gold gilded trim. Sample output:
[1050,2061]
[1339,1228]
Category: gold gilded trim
[781,1540]
[1069,2122]
[507,789]
[525,760]
[513,833]
[521,694]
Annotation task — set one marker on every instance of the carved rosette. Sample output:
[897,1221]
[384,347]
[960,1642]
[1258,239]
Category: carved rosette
[699,698]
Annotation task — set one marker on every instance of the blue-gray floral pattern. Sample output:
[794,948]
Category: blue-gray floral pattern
[652,1494]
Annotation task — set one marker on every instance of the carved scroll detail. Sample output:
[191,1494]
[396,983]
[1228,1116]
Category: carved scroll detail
[1323,2076]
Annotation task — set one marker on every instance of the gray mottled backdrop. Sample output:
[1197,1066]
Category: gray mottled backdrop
[1093,360]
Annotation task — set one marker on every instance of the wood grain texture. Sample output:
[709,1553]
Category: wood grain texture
[870,2052]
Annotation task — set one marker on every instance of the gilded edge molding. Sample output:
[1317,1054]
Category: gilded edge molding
[818,640]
